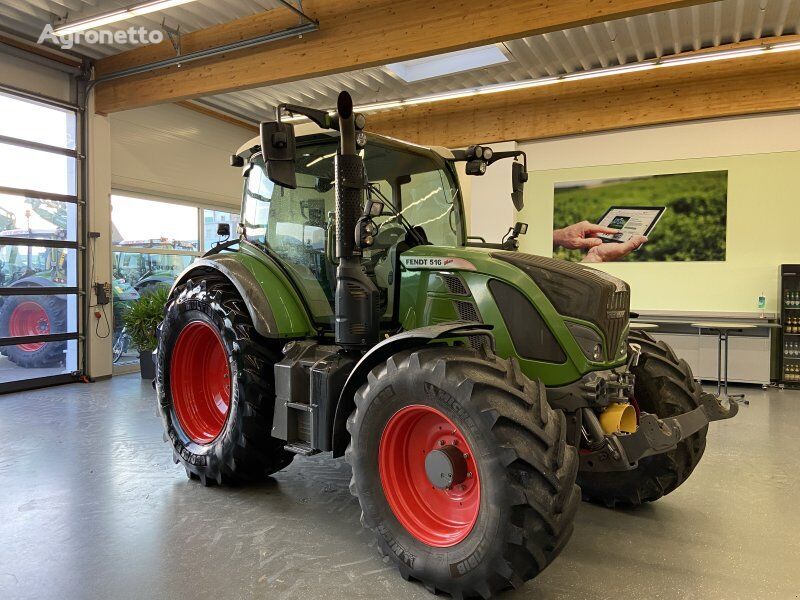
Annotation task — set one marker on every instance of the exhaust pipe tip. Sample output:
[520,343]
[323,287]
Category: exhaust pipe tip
[344,105]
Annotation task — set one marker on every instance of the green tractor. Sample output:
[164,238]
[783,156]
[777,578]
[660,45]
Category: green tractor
[471,388]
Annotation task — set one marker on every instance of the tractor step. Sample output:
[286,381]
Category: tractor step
[301,448]
[307,385]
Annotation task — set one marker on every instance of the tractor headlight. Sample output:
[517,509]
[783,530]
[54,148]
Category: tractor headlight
[589,340]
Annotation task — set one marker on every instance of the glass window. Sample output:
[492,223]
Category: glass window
[32,361]
[212,218]
[140,269]
[294,224]
[37,122]
[31,220]
[22,316]
[28,169]
[428,202]
[142,223]
[37,266]
[38,219]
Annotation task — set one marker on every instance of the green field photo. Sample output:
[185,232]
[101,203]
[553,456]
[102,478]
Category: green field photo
[692,228]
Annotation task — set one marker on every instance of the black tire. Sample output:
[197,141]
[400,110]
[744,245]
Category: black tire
[50,354]
[664,387]
[527,471]
[243,451]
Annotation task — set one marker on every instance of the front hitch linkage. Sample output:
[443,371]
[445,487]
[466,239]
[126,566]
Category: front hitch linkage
[655,436]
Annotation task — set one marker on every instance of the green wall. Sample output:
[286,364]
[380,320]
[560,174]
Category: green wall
[763,232]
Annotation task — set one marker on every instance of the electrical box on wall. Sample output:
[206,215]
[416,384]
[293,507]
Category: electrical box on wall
[103,293]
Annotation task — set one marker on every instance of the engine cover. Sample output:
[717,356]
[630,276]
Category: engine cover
[580,292]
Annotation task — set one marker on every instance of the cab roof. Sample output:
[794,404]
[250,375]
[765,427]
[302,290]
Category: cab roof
[254,145]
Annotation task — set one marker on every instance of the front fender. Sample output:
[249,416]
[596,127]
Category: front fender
[381,352]
[272,302]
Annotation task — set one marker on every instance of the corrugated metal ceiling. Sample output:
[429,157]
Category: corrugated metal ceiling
[600,45]
[28,17]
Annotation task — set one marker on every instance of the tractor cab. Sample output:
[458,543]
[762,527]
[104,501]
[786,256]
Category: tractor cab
[298,225]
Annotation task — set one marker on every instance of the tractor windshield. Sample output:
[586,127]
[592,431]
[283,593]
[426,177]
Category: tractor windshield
[297,224]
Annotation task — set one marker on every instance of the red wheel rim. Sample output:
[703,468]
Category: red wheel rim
[200,382]
[436,517]
[29,318]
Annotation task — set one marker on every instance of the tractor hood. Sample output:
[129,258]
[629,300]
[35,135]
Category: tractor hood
[545,305]
[578,291]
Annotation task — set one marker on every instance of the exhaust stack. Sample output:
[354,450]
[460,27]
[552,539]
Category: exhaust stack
[357,318]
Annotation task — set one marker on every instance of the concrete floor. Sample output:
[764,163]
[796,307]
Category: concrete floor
[92,507]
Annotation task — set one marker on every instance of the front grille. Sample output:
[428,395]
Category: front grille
[617,313]
[580,292]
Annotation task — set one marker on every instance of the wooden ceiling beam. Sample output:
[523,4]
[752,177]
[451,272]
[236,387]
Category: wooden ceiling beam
[215,114]
[353,34]
[768,83]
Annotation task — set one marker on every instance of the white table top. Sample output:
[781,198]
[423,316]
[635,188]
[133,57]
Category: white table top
[637,325]
[722,325]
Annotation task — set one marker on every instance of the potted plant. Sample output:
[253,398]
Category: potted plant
[141,319]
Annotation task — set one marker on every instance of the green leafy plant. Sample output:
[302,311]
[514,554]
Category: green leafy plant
[142,317]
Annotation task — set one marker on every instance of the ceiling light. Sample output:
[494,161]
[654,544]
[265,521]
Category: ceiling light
[712,56]
[117,15]
[449,63]
[609,71]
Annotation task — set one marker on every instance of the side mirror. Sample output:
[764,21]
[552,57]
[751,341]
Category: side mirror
[223,229]
[278,148]
[518,178]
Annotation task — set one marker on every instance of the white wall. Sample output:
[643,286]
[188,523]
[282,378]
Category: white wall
[175,152]
[491,210]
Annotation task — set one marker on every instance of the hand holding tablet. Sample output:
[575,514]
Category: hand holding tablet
[629,222]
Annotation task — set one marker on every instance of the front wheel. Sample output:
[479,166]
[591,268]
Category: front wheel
[462,470]
[214,381]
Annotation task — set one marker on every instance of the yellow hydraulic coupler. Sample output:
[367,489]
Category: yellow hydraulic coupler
[618,417]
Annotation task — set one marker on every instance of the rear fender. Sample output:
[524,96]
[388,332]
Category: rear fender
[274,306]
[413,338]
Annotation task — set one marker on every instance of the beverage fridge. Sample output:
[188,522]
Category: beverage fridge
[790,325]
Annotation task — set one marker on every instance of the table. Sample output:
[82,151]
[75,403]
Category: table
[640,326]
[722,329]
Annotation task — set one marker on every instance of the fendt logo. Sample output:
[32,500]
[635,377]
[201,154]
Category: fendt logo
[447,263]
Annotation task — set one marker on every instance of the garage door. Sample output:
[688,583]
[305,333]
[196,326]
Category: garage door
[40,249]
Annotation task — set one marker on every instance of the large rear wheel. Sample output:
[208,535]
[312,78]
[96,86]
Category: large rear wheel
[462,470]
[214,381]
[664,387]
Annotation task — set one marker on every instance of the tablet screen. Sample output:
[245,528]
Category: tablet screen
[630,221]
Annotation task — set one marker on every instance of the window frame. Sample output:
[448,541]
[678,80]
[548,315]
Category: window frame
[198,205]
[78,245]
